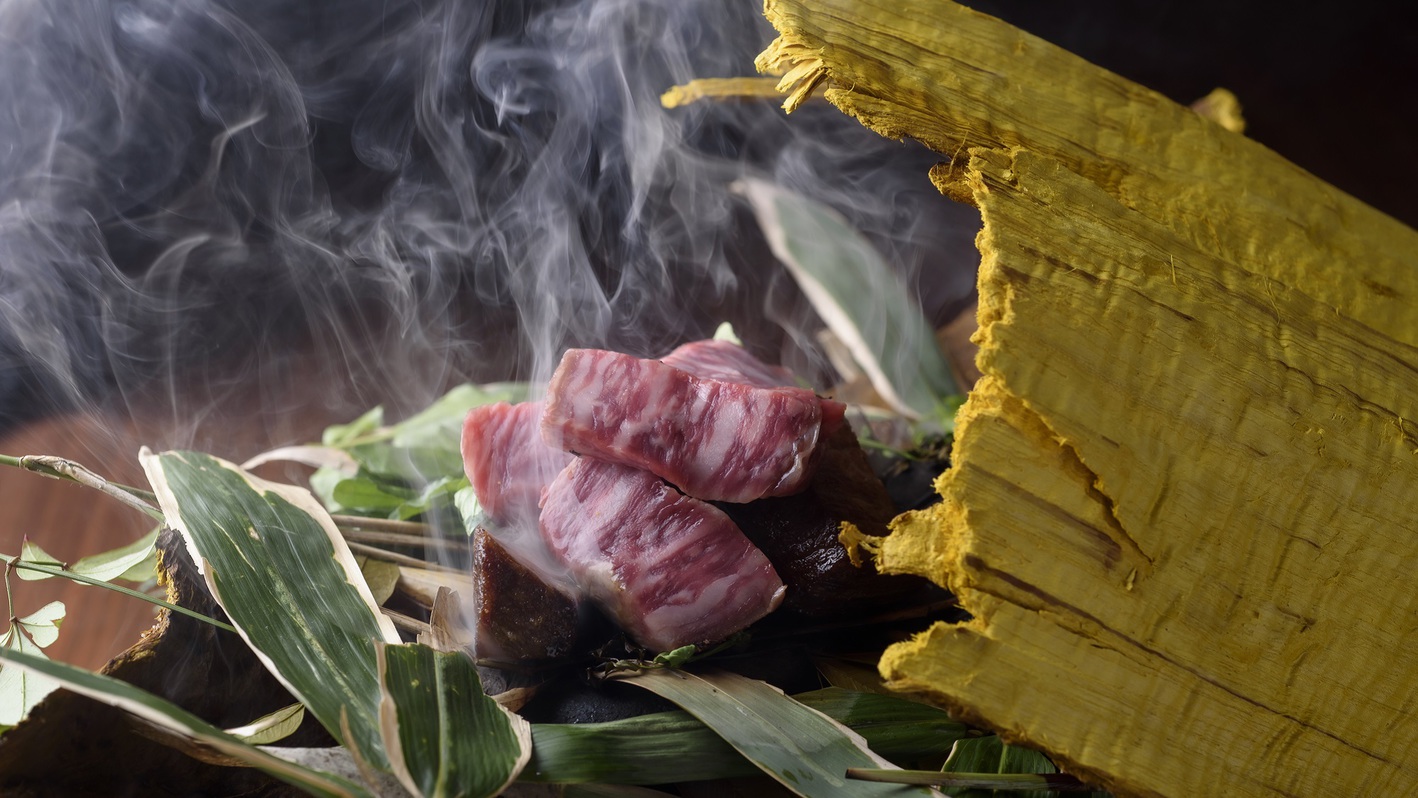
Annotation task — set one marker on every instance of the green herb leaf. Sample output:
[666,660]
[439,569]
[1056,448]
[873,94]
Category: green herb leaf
[342,435]
[30,552]
[801,748]
[169,716]
[276,563]
[445,737]
[20,689]
[858,296]
[118,562]
[470,511]
[43,623]
[441,423]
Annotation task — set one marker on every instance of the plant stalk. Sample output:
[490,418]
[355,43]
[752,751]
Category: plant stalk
[70,471]
[89,580]
[1058,782]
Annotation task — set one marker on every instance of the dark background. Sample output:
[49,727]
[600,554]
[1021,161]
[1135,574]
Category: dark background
[1331,86]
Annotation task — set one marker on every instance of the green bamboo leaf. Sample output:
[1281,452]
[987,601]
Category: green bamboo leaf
[858,296]
[169,716]
[669,747]
[30,552]
[276,563]
[803,749]
[118,562]
[271,727]
[43,623]
[445,737]
[990,755]
[20,689]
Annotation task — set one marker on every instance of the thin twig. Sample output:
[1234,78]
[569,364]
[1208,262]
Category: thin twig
[409,528]
[89,580]
[406,622]
[396,539]
[1058,782]
[400,559]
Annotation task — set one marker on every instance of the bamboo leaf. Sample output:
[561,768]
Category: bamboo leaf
[803,749]
[169,716]
[858,296]
[669,747]
[20,689]
[313,456]
[981,757]
[276,563]
[118,562]
[271,727]
[43,623]
[445,737]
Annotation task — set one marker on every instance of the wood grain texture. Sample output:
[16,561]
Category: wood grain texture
[1180,507]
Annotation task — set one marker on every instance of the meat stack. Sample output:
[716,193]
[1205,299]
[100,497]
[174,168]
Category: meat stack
[628,517]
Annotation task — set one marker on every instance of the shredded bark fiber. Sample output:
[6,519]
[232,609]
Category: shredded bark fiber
[1180,505]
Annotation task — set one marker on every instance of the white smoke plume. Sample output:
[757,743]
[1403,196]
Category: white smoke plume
[419,192]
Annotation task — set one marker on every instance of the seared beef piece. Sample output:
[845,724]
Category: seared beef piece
[723,360]
[519,616]
[799,535]
[847,486]
[669,569]
[506,460]
[714,440]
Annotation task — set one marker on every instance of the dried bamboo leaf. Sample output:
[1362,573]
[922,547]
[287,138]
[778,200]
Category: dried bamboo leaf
[269,728]
[858,296]
[276,563]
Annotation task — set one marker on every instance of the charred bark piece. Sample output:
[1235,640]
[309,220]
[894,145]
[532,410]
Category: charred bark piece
[519,616]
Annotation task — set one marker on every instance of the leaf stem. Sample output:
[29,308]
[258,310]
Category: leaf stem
[89,580]
[1058,782]
[70,471]
[410,528]
[398,559]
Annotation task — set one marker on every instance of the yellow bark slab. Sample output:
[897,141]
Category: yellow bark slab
[1181,505]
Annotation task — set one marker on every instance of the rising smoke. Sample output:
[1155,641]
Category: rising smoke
[416,192]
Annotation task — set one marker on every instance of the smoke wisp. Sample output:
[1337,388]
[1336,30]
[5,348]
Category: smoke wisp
[416,192]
